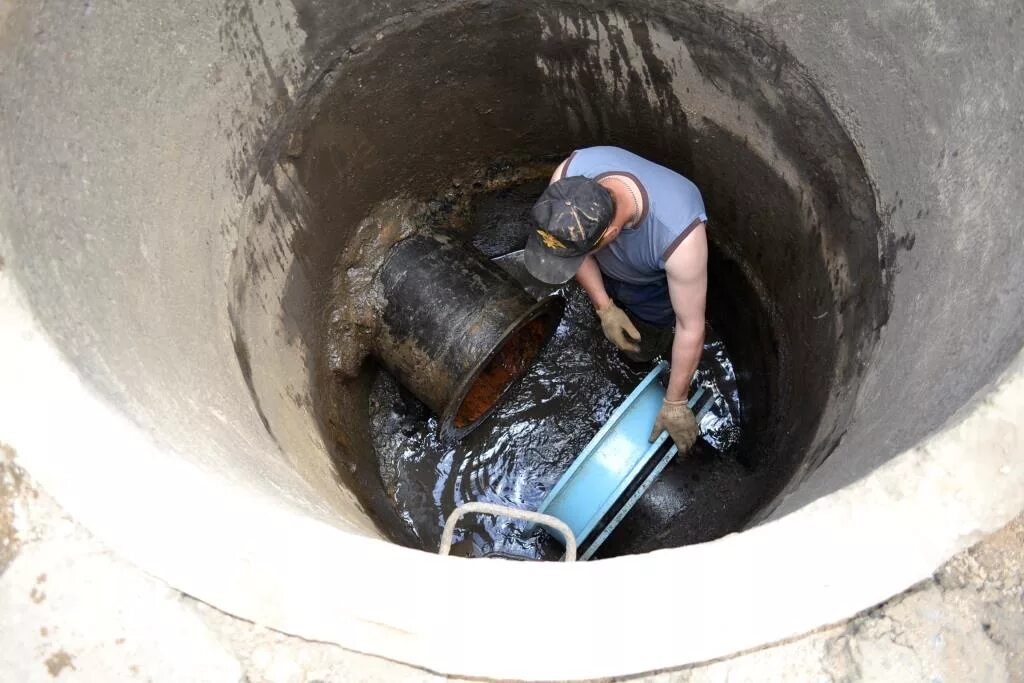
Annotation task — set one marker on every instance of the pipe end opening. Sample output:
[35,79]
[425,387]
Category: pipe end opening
[509,362]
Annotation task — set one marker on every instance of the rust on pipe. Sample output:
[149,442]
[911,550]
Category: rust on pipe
[456,330]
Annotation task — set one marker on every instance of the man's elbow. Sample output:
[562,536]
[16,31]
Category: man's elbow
[690,332]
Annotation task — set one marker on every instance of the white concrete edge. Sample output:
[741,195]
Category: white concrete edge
[261,560]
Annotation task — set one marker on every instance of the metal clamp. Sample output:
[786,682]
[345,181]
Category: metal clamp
[501,510]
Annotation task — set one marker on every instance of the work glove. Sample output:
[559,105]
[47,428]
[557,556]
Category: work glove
[677,418]
[618,328]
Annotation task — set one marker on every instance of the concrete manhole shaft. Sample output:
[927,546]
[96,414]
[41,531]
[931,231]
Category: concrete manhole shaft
[177,213]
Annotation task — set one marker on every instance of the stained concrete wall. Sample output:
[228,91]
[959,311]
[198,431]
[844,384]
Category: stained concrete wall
[928,91]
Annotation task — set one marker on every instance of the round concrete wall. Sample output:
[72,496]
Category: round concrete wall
[180,188]
[498,90]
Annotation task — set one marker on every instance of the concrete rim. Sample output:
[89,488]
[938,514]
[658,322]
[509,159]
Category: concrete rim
[262,560]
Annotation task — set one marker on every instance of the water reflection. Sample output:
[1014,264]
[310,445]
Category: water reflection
[519,453]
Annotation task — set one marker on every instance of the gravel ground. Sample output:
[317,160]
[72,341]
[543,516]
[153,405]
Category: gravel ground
[72,610]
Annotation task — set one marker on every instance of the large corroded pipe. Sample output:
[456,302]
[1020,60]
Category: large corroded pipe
[456,330]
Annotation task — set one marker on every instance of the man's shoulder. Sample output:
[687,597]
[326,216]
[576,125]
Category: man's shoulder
[687,254]
[607,152]
[665,185]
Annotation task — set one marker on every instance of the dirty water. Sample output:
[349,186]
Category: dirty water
[520,451]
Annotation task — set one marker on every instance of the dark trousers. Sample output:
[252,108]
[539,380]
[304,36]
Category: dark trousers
[654,342]
[650,309]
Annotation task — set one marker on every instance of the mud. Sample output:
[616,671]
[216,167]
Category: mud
[353,304]
[354,318]
[13,489]
[342,376]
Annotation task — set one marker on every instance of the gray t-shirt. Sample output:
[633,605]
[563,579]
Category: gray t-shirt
[672,208]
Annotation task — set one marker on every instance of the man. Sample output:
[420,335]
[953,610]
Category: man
[632,233]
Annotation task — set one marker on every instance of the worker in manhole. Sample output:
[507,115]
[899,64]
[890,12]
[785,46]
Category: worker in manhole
[633,235]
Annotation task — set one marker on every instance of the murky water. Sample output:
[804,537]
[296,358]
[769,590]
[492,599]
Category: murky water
[518,454]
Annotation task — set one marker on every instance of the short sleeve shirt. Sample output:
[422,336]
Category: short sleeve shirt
[672,208]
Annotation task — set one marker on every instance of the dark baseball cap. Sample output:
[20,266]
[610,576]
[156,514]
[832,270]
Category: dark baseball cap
[572,215]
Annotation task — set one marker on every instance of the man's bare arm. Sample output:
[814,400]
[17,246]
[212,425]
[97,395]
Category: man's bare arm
[687,271]
[590,279]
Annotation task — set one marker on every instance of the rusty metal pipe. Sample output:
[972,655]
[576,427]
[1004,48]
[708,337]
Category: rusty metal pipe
[456,330]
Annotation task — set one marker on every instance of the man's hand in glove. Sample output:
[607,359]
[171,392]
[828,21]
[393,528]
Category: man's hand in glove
[618,328]
[677,418]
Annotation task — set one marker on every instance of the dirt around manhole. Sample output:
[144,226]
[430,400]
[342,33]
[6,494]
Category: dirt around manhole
[59,661]
[13,489]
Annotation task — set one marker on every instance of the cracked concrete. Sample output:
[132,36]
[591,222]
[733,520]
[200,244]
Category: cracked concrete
[74,611]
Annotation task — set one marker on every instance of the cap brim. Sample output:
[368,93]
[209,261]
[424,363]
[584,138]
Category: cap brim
[546,267]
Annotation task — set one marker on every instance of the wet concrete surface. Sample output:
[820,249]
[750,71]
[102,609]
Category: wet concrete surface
[517,455]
